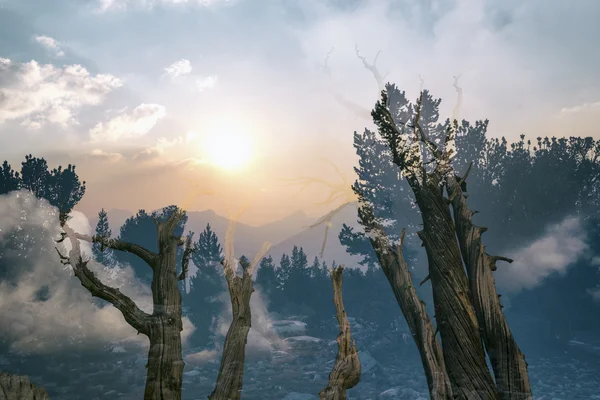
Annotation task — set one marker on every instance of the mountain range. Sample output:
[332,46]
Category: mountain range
[284,234]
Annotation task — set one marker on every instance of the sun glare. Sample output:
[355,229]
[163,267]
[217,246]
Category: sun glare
[229,147]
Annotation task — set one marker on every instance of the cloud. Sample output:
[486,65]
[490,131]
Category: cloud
[261,338]
[44,308]
[50,44]
[595,293]
[121,5]
[206,83]
[163,143]
[202,357]
[581,119]
[40,94]
[102,155]
[179,68]
[159,148]
[561,246]
[128,125]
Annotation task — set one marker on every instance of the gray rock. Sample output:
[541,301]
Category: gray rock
[14,387]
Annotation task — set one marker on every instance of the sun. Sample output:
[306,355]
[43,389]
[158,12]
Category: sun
[229,147]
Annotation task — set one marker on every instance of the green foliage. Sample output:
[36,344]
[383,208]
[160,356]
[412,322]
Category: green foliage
[207,249]
[9,179]
[141,230]
[103,255]
[61,187]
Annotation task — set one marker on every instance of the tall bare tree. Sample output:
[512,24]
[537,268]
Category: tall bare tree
[163,327]
[231,372]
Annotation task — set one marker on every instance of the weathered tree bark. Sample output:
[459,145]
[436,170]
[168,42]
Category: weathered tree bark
[16,387]
[507,360]
[165,363]
[163,327]
[346,370]
[231,372]
[413,308]
[462,346]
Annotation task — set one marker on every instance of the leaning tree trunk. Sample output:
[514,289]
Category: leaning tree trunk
[346,370]
[165,363]
[413,308]
[507,360]
[231,372]
[462,346]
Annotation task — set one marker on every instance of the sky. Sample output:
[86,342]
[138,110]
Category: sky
[214,104]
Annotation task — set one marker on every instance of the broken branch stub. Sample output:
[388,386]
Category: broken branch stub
[346,370]
[231,372]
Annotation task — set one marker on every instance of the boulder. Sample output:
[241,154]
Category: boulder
[14,387]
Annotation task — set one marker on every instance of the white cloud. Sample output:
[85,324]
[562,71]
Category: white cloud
[262,338]
[67,318]
[163,143]
[120,5]
[561,246]
[40,94]
[128,125]
[179,68]
[102,155]
[207,82]
[202,357]
[595,293]
[50,44]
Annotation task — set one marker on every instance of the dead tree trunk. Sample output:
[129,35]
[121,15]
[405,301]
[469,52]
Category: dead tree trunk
[163,327]
[462,346]
[413,308]
[165,363]
[231,372]
[346,370]
[507,360]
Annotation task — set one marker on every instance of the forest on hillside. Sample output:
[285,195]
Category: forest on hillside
[432,194]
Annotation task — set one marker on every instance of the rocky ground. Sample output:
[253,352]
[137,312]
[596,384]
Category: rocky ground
[295,369]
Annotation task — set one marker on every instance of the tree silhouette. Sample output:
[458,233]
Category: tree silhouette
[9,179]
[102,255]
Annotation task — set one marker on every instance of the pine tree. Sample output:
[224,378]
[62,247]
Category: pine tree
[266,277]
[283,272]
[206,285]
[207,248]
[315,268]
[9,179]
[140,229]
[104,256]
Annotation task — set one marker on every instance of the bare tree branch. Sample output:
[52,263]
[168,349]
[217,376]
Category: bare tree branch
[134,316]
[187,253]
[413,308]
[458,99]
[148,256]
[346,370]
[373,68]
[354,108]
